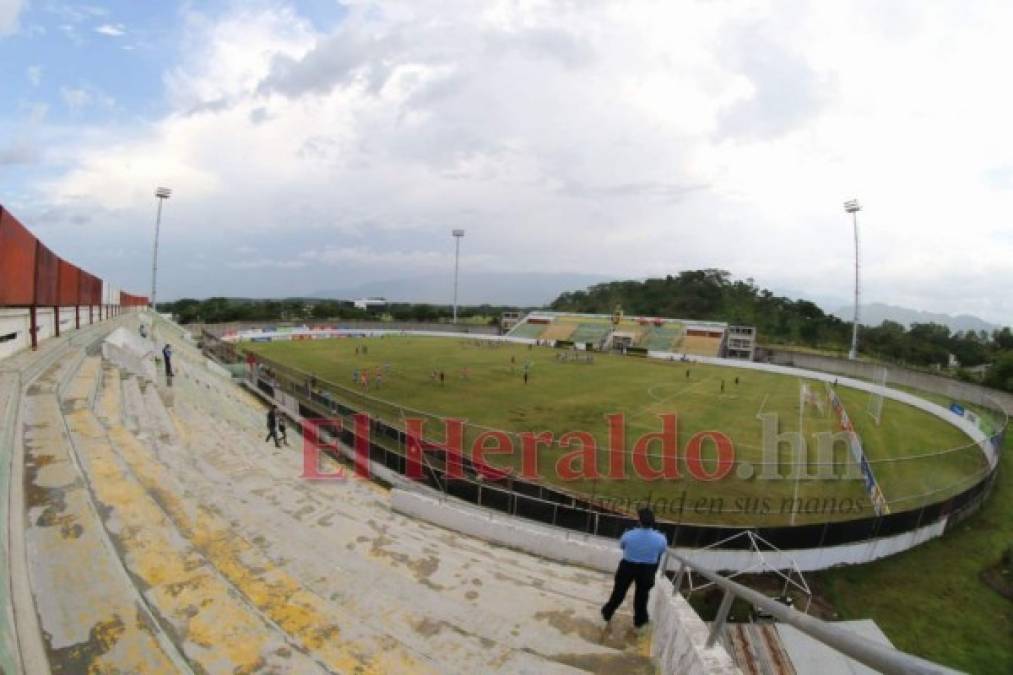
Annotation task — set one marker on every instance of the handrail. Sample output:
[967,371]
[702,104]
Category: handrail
[878,656]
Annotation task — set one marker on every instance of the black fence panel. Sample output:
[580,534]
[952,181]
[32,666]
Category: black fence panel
[534,509]
[378,454]
[802,536]
[463,489]
[266,388]
[570,518]
[524,488]
[898,523]
[848,532]
[614,526]
[395,462]
[500,500]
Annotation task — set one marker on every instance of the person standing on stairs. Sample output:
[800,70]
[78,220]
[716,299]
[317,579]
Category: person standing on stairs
[272,426]
[282,430]
[167,356]
[642,549]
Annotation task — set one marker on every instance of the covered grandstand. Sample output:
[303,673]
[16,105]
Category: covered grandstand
[602,331]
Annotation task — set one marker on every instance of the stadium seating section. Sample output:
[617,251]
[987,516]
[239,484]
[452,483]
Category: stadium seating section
[669,336]
[662,338]
[700,345]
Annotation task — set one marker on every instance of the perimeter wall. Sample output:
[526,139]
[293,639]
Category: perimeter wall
[42,295]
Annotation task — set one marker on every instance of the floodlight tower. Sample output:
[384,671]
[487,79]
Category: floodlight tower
[853,207]
[161,194]
[458,235]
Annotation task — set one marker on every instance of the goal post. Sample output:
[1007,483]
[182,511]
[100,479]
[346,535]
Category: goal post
[875,405]
[872,487]
[808,396]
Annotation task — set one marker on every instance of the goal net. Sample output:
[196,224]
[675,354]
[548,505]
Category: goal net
[875,404]
[811,397]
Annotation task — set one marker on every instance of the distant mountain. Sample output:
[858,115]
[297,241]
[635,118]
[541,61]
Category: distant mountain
[522,290]
[876,313]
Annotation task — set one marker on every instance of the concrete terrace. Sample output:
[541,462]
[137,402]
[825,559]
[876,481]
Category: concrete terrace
[152,530]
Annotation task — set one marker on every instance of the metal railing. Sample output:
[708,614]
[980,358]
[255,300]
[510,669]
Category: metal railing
[873,654]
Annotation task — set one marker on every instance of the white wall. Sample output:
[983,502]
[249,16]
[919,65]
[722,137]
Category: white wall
[17,320]
[678,643]
[14,321]
[602,553]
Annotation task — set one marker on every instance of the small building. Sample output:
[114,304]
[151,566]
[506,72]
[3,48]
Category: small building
[370,303]
[508,320]
[740,342]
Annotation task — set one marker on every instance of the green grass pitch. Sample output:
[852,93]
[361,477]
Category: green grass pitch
[484,385]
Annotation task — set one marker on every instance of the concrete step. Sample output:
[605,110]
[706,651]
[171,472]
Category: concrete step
[212,625]
[330,634]
[464,604]
[87,612]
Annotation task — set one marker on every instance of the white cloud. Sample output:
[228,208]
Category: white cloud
[265,263]
[111,29]
[9,11]
[78,98]
[592,138]
[34,75]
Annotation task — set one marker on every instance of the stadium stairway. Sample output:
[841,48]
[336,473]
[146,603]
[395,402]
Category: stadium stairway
[155,531]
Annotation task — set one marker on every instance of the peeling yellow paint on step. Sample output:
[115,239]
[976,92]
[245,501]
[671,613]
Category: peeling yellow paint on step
[308,619]
[179,583]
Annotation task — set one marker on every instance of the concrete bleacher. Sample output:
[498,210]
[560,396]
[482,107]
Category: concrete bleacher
[651,333]
[166,536]
[561,330]
[529,331]
[700,345]
[662,338]
[590,332]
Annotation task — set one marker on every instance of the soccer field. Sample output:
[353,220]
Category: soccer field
[483,383]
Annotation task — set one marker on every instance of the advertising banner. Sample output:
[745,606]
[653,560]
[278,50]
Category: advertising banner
[858,454]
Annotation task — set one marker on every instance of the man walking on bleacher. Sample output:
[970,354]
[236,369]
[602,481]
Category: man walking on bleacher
[642,548]
[167,357]
[272,426]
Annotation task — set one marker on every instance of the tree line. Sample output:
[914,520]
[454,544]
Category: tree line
[228,310]
[712,294]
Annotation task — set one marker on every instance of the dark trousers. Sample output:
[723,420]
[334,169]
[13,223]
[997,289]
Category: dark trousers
[642,574]
[168,368]
[273,433]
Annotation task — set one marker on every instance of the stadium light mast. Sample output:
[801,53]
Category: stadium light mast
[853,207]
[161,194]
[458,235]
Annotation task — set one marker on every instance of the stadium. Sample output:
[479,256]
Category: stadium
[517,337]
[507,443]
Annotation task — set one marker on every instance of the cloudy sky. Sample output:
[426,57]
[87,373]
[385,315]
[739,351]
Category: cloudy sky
[313,145]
